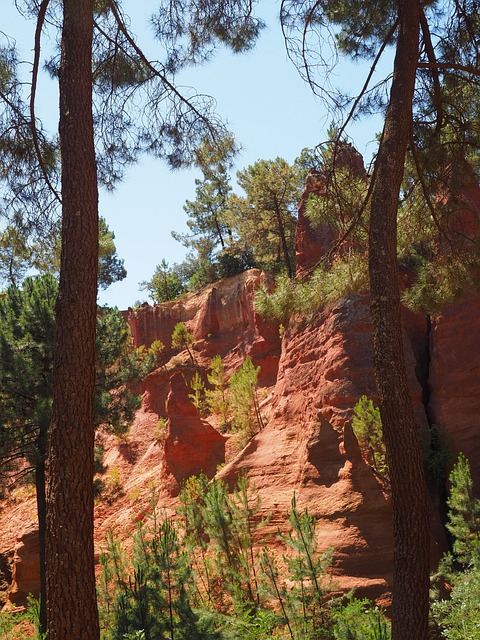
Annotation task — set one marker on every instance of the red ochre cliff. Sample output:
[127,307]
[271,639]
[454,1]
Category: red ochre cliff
[311,377]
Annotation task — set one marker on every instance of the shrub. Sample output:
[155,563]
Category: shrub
[459,616]
[464,514]
[359,620]
[367,427]
[218,398]
[183,339]
[246,417]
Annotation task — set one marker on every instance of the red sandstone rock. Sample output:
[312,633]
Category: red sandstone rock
[308,446]
[311,244]
[192,445]
[26,571]
[454,379]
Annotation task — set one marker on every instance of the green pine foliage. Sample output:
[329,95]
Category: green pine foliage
[359,620]
[118,368]
[265,218]
[208,574]
[191,510]
[149,593]
[165,284]
[442,281]
[458,616]
[311,611]
[367,427]
[23,247]
[234,400]
[27,330]
[348,275]
[464,514]
[182,338]
[220,527]
[218,397]
[197,386]
[282,303]
[246,417]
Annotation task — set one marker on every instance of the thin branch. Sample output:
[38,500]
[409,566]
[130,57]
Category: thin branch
[352,112]
[360,213]
[437,91]
[118,18]
[15,109]
[11,475]
[385,42]
[36,63]
[425,191]
[450,66]
[352,224]
[308,20]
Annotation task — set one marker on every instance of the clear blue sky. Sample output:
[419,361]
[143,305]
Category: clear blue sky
[267,106]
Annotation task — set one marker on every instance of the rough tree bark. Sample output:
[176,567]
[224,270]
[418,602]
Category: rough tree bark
[410,517]
[71,598]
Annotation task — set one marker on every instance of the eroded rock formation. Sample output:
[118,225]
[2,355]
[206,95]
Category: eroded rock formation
[455,379]
[192,445]
[311,244]
[26,570]
[311,379]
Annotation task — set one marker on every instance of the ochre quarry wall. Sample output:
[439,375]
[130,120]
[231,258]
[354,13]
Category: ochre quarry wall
[311,377]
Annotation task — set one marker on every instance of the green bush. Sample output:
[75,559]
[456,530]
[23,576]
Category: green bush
[208,575]
[367,427]
[183,339]
[458,617]
[347,275]
[218,398]
[246,417]
[359,620]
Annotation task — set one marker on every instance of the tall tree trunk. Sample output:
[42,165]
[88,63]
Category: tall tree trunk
[410,517]
[42,514]
[71,598]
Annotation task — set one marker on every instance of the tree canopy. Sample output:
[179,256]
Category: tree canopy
[114,104]
[27,338]
[231,233]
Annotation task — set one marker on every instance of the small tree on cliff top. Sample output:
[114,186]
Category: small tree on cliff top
[265,219]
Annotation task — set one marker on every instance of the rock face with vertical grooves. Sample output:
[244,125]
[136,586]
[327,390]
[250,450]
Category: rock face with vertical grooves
[455,379]
[310,379]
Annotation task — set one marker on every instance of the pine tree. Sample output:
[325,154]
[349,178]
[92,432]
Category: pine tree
[165,284]
[182,338]
[191,507]
[367,427]
[265,219]
[246,416]
[152,596]
[109,60]
[218,398]
[198,396]
[27,329]
[464,514]
[458,615]
[308,570]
